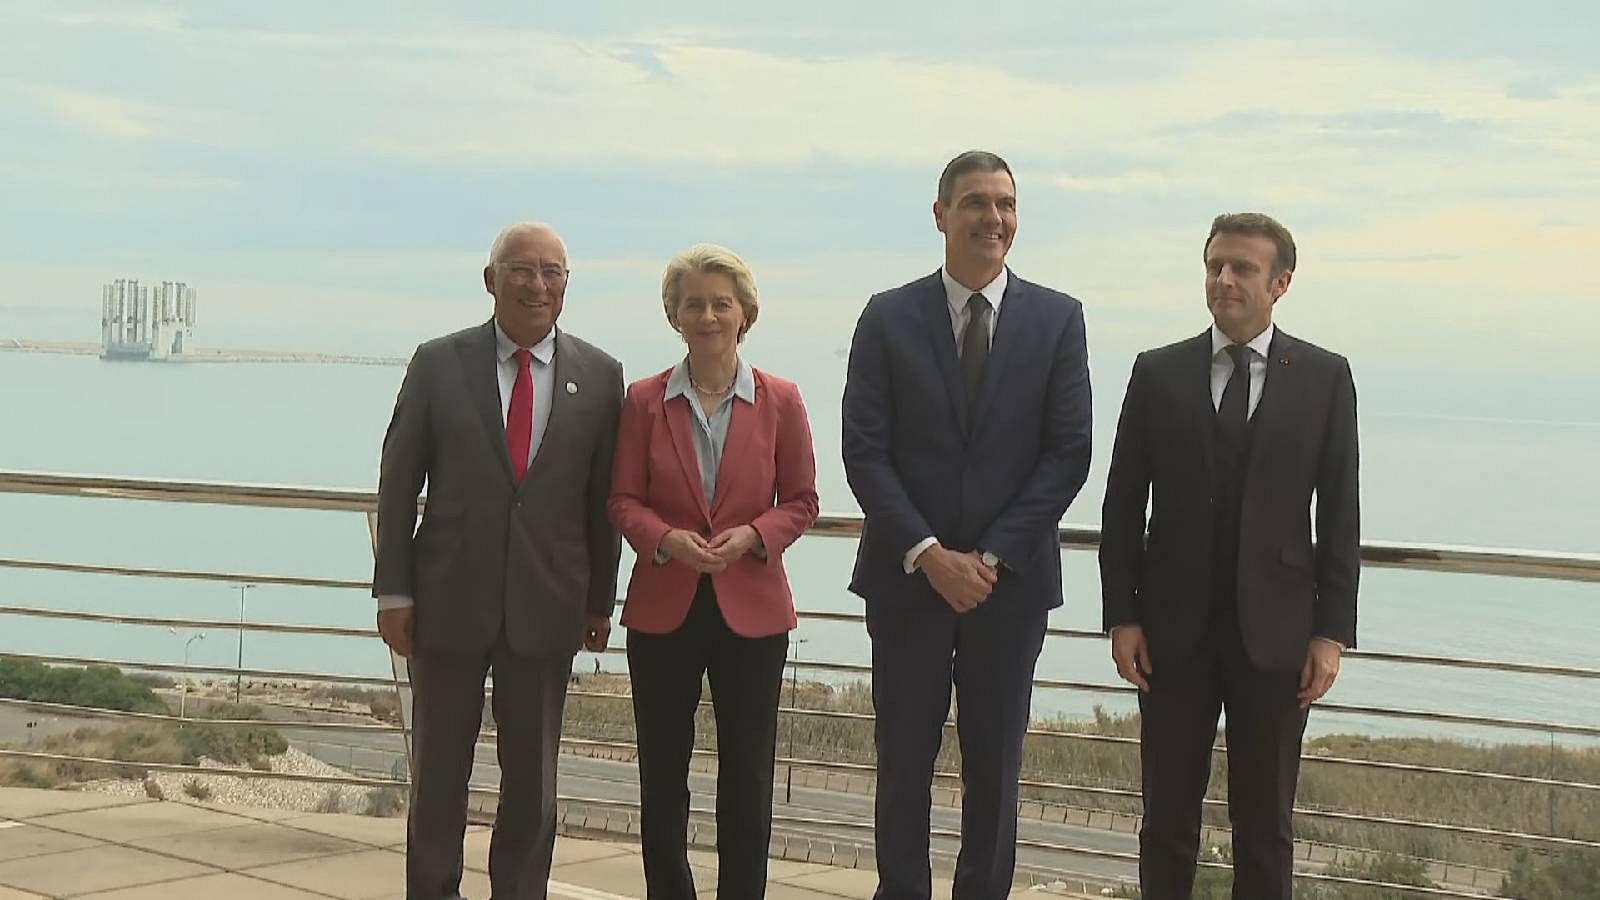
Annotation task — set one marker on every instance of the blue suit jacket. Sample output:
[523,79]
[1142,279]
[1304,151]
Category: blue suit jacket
[920,465]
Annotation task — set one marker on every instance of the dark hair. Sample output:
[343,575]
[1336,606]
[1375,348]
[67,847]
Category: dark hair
[1257,224]
[970,161]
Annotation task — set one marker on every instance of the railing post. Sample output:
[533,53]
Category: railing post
[398,670]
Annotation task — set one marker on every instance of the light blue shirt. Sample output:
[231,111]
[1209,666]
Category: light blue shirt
[711,432]
[957,294]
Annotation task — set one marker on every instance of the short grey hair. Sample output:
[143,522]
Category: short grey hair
[510,232]
[710,258]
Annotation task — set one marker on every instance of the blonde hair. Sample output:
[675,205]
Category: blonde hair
[716,259]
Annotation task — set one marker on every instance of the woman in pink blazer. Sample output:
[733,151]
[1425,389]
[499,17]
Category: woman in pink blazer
[714,479]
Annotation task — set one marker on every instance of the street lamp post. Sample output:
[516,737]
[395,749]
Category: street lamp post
[238,678]
[183,692]
[183,696]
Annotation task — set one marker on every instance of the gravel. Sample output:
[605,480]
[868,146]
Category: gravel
[270,793]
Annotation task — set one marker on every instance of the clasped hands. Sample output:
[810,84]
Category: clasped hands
[708,556]
[962,579]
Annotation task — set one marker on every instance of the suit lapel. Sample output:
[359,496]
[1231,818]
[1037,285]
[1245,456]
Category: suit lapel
[936,318]
[678,424]
[1015,319]
[1196,392]
[741,422]
[1279,389]
[480,367]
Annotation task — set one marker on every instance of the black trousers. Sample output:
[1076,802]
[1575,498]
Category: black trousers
[746,675]
[447,704]
[1264,728]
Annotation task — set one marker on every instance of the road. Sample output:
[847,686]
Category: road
[618,782]
[584,777]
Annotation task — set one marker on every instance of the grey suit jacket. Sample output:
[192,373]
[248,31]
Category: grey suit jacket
[532,558]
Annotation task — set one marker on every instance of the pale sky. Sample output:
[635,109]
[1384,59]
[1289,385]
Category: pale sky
[344,166]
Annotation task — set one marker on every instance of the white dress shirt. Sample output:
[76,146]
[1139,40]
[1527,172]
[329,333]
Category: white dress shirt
[1222,366]
[544,382]
[957,295]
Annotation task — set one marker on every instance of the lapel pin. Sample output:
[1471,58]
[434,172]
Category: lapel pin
[572,387]
[1283,360]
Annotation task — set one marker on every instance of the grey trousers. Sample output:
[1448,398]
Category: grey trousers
[447,703]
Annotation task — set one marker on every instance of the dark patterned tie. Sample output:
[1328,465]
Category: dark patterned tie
[1233,414]
[974,350]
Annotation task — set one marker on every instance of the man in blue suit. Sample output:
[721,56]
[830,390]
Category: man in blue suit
[966,436]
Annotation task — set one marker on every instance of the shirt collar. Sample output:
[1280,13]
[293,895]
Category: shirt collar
[1261,343]
[544,351]
[957,294]
[744,381]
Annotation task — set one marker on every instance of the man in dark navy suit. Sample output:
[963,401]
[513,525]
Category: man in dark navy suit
[1227,604]
[966,436]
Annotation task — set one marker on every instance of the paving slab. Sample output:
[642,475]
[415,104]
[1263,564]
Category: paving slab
[622,874]
[140,820]
[366,875]
[571,850]
[248,846]
[14,894]
[28,803]
[846,883]
[369,830]
[354,876]
[19,841]
[209,887]
[95,869]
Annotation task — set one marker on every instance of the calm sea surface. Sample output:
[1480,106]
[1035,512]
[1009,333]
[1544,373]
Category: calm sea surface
[1433,471]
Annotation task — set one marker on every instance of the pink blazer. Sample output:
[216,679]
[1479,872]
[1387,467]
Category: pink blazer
[767,479]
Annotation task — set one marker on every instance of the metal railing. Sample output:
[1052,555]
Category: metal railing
[1509,563]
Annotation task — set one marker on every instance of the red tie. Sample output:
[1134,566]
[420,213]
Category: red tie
[519,418]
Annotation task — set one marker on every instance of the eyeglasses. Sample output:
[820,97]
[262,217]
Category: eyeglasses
[522,274]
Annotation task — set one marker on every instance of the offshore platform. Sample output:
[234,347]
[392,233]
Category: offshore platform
[146,322]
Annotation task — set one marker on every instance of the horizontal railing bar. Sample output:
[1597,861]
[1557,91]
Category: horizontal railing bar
[186,574]
[1339,708]
[1126,793]
[213,624]
[1433,557]
[1343,709]
[91,712]
[1133,743]
[275,675]
[175,491]
[303,581]
[127,765]
[1070,849]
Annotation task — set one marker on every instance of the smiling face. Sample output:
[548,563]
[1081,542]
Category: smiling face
[1241,287]
[978,225]
[529,283]
[709,316]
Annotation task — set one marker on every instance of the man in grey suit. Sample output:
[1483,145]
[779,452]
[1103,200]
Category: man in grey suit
[512,424]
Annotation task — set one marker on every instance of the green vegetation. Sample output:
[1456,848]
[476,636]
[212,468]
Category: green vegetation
[101,687]
[1323,785]
[1217,884]
[104,687]
[1569,876]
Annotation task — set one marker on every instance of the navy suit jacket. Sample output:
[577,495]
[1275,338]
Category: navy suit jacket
[920,464]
